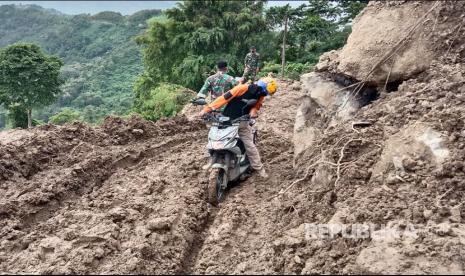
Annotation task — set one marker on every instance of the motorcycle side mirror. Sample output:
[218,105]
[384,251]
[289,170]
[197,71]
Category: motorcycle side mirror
[199,101]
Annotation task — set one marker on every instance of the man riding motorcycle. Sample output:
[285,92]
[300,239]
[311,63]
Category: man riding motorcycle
[235,108]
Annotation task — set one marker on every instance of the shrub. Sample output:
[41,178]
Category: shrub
[291,70]
[270,67]
[166,100]
[295,70]
[67,115]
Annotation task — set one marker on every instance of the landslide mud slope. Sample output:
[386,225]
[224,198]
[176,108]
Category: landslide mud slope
[386,151]
[388,155]
[127,197]
[123,198]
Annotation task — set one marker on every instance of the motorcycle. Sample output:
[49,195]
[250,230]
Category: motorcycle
[229,160]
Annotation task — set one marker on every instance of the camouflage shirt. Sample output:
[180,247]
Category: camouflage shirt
[217,84]
[252,60]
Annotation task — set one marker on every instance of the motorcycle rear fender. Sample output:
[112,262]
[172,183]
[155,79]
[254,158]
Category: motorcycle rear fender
[221,160]
[235,150]
[220,166]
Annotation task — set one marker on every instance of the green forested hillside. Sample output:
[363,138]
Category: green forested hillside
[184,48]
[104,64]
[101,57]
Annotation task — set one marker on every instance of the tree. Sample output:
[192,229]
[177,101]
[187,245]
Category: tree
[184,48]
[109,16]
[17,116]
[351,8]
[104,58]
[3,116]
[321,25]
[281,16]
[28,77]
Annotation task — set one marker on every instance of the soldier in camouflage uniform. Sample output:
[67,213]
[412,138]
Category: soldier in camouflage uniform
[252,61]
[218,83]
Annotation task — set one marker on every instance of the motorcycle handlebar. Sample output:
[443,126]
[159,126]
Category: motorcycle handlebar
[209,117]
[213,116]
[244,118]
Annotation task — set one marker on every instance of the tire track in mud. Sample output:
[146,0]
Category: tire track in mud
[241,224]
[190,259]
[82,176]
[76,185]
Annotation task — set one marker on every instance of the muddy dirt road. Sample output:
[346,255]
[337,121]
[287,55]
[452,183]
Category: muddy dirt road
[128,197]
[236,232]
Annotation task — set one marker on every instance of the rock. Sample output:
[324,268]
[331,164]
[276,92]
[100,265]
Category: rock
[159,224]
[296,86]
[367,44]
[417,139]
[138,131]
[118,214]
[326,60]
[391,179]
[327,93]
[443,229]
[427,214]
[409,164]
[305,135]
[455,215]
[99,253]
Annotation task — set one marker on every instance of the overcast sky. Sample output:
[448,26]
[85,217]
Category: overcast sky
[124,7]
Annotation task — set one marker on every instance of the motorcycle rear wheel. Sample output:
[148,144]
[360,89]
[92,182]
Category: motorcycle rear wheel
[214,190]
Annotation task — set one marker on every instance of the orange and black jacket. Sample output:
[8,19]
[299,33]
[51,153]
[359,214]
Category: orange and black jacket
[235,107]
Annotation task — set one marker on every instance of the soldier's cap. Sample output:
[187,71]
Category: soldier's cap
[253,48]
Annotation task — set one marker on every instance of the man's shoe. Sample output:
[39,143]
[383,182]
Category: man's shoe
[262,173]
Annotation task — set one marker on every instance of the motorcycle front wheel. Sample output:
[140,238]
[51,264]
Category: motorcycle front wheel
[215,191]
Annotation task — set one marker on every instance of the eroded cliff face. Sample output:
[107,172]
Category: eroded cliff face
[382,121]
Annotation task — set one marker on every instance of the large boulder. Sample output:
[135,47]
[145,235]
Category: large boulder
[415,143]
[306,134]
[395,40]
[329,94]
[396,251]
[368,43]
[322,98]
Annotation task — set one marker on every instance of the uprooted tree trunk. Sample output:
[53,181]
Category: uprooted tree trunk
[29,118]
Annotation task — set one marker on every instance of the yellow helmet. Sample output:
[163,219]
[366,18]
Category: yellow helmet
[269,85]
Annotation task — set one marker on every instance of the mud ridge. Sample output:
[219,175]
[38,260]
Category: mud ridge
[189,261]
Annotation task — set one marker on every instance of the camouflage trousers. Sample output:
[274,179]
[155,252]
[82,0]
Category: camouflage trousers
[249,74]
